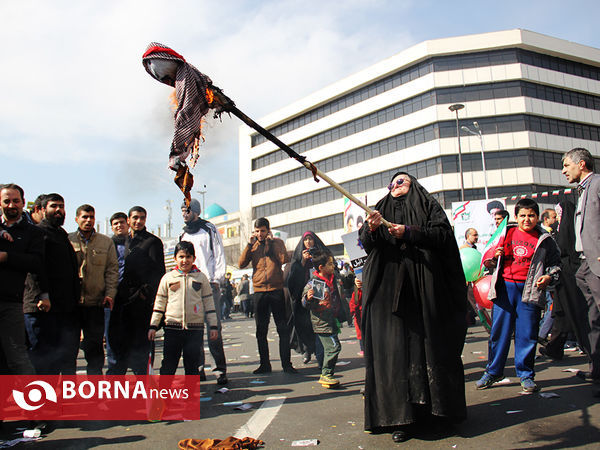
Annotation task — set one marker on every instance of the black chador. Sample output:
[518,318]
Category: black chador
[415,299]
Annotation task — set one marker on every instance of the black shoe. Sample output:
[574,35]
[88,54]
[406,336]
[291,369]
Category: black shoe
[202,376]
[222,379]
[587,376]
[400,436]
[262,369]
[307,358]
[289,369]
[544,351]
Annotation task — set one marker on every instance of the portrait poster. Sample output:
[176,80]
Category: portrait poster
[478,214]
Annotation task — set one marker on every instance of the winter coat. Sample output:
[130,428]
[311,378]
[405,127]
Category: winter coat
[59,275]
[545,261]
[183,300]
[25,254]
[323,313]
[144,267]
[267,257]
[98,267]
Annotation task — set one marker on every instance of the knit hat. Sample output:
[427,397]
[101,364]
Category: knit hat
[194,206]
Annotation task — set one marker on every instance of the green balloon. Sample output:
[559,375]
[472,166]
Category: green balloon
[471,263]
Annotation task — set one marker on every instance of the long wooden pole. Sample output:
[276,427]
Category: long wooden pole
[227,105]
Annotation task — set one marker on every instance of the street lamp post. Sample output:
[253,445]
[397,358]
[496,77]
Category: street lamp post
[203,193]
[480,134]
[456,107]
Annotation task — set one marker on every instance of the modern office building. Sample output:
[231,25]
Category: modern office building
[533,97]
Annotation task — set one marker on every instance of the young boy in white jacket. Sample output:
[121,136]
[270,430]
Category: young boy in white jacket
[184,296]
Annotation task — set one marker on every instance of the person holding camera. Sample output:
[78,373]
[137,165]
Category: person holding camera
[267,254]
[300,271]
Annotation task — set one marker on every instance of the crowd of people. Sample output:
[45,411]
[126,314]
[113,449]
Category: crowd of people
[65,291]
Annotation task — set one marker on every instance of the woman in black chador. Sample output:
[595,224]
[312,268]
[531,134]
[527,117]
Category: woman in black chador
[569,308]
[303,337]
[415,299]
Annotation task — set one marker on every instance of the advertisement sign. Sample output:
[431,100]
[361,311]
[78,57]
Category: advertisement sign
[478,214]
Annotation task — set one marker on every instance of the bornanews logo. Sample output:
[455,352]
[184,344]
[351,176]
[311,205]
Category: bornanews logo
[36,397]
[96,397]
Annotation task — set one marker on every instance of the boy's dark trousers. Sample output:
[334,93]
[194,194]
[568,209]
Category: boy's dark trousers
[188,342]
[331,351]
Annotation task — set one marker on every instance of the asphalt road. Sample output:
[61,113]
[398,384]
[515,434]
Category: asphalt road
[291,407]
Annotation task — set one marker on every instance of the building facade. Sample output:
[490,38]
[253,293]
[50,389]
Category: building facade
[533,96]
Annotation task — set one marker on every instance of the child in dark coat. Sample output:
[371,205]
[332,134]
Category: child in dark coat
[322,297]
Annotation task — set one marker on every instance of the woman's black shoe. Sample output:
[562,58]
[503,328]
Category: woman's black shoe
[400,436]
[262,369]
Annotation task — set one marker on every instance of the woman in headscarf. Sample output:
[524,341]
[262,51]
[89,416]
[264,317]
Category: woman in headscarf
[303,336]
[569,307]
[414,304]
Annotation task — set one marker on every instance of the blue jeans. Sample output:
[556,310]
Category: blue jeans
[110,356]
[509,315]
[547,320]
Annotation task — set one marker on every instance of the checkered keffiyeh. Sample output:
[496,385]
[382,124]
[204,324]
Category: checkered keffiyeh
[190,88]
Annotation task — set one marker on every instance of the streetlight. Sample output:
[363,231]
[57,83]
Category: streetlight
[203,203]
[480,134]
[169,208]
[456,107]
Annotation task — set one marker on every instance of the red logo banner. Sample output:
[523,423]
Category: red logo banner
[97,397]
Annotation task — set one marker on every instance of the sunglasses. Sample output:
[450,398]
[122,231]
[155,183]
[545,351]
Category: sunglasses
[399,182]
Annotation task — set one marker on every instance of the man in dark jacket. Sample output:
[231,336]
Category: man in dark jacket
[53,328]
[130,318]
[578,167]
[21,251]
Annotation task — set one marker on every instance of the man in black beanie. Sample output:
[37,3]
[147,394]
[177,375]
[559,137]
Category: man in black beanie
[210,260]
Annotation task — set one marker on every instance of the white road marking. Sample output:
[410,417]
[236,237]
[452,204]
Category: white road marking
[261,419]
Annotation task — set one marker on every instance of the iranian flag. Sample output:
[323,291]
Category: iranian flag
[497,240]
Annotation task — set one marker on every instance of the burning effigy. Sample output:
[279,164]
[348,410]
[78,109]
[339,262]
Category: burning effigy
[195,95]
[192,94]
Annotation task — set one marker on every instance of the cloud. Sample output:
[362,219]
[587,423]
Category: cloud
[75,89]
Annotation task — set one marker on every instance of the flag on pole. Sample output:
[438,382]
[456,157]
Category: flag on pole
[495,241]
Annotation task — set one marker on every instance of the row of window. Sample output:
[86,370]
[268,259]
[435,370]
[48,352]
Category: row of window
[445,198]
[371,90]
[478,92]
[510,159]
[489,125]
[435,64]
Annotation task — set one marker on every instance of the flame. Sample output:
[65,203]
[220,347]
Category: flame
[173,100]
[199,139]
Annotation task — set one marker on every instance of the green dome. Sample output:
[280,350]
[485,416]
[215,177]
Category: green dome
[213,210]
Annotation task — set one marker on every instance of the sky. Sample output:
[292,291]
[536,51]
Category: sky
[80,116]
